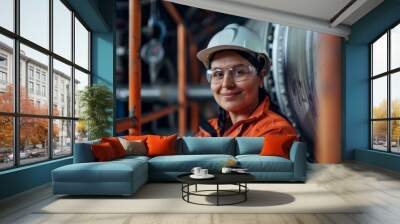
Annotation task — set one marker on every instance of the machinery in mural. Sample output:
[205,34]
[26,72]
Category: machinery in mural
[291,81]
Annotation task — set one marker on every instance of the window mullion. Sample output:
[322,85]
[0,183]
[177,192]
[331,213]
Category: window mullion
[73,82]
[16,69]
[389,94]
[50,81]
[371,98]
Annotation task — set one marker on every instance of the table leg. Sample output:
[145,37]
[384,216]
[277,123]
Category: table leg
[245,191]
[217,194]
[196,188]
[182,188]
[188,189]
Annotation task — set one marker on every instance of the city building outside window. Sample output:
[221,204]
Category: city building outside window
[56,128]
[385,91]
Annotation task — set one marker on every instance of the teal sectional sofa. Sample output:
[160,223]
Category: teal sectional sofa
[125,176]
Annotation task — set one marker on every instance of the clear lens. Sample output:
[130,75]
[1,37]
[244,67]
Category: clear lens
[239,73]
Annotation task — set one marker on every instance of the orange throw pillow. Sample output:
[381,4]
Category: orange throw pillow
[103,151]
[116,145]
[161,145]
[277,145]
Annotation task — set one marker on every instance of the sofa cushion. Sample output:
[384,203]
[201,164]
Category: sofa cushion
[83,152]
[185,163]
[257,163]
[131,158]
[117,146]
[161,145]
[249,145]
[103,151]
[134,147]
[111,171]
[207,145]
[277,145]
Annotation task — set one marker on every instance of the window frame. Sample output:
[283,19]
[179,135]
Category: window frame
[388,74]
[16,114]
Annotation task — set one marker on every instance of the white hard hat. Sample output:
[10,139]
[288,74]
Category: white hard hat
[234,37]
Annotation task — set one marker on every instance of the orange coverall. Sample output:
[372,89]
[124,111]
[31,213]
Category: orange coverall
[260,123]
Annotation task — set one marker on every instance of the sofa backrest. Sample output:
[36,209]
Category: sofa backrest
[83,152]
[206,145]
[249,145]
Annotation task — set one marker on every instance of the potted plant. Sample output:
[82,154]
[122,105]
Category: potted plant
[96,103]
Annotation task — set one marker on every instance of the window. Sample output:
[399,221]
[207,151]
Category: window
[30,72]
[34,21]
[81,81]
[6,92]
[7,14]
[3,61]
[81,45]
[3,78]
[63,75]
[30,87]
[54,125]
[37,74]
[385,94]
[62,30]
[55,96]
[38,89]
[43,90]
[62,129]
[3,72]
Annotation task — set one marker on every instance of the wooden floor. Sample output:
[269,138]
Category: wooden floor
[377,188]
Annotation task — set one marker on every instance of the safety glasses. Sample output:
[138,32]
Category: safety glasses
[238,73]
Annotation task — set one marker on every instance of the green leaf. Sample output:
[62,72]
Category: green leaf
[96,102]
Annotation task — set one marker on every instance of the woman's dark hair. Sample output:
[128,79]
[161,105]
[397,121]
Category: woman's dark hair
[262,93]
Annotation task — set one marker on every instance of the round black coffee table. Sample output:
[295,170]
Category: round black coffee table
[238,179]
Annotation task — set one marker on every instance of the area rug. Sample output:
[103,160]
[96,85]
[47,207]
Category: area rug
[167,198]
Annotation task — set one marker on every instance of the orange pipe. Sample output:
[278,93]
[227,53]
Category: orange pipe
[173,12]
[182,101]
[195,80]
[195,114]
[135,79]
[156,115]
[125,124]
[328,130]
[181,40]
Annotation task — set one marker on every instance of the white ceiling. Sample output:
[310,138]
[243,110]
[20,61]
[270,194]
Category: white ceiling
[316,15]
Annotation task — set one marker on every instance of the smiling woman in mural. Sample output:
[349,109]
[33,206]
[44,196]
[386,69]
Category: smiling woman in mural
[236,64]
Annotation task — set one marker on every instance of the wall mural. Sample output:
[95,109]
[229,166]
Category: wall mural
[297,80]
